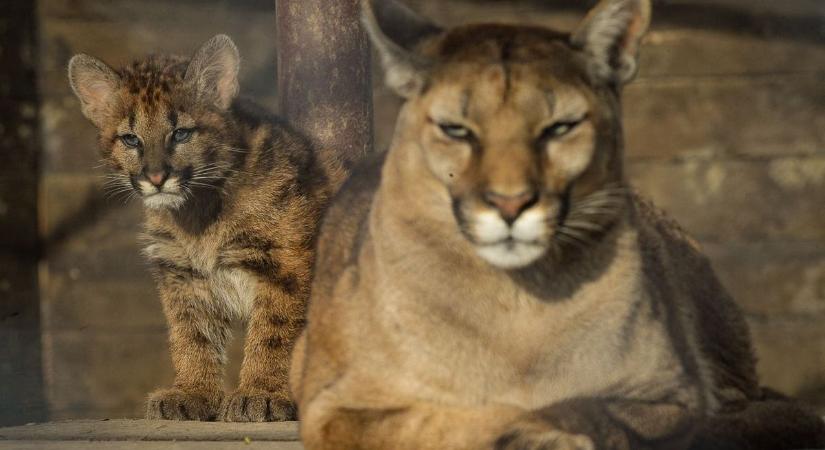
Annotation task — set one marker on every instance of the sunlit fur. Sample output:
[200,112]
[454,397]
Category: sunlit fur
[577,175]
[229,234]
[592,322]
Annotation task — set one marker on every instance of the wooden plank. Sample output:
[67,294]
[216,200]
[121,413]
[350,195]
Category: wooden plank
[324,74]
[695,52]
[740,201]
[154,445]
[725,117]
[159,10]
[107,371]
[687,38]
[102,305]
[78,201]
[21,378]
[153,430]
[61,39]
[670,49]
[94,373]
[791,354]
[106,250]
[775,279]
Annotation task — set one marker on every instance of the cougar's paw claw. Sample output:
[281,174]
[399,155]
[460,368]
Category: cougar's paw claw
[543,440]
[246,405]
[176,404]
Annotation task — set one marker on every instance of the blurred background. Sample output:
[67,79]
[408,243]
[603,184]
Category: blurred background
[725,130]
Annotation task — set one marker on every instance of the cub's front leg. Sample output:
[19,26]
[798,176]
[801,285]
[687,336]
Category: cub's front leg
[603,424]
[198,334]
[276,321]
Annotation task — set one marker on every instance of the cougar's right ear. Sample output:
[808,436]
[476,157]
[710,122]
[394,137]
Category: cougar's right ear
[395,30]
[95,84]
[213,71]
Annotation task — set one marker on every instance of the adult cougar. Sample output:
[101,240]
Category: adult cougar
[493,284]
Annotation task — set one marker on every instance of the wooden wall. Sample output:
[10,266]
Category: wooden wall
[725,129]
[21,383]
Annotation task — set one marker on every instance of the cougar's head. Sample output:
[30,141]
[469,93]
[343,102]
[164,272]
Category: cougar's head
[521,125]
[163,122]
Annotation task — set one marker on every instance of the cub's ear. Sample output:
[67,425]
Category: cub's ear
[213,71]
[95,84]
[395,30]
[610,36]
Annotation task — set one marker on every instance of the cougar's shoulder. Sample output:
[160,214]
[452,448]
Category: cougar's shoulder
[712,316]
[345,222]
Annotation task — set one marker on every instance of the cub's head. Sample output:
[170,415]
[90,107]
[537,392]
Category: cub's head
[162,121]
[521,125]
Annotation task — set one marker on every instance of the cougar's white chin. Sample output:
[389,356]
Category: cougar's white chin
[163,200]
[511,254]
[509,247]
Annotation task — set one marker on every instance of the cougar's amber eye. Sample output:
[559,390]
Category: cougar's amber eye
[181,135]
[130,140]
[559,129]
[456,131]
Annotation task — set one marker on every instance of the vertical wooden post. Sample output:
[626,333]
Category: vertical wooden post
[21,378]
[324,82]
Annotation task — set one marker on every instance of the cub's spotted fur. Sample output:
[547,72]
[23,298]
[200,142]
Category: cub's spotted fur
[232,198]
[493,283]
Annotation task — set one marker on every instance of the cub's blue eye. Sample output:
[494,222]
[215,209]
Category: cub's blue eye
[182,135]
[130,140]
[559,129]
[456,131]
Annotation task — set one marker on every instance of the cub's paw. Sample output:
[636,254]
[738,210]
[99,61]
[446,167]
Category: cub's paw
[534,438]
[176,404]
[256,405]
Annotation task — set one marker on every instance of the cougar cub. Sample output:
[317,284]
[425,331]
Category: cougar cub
[232,198]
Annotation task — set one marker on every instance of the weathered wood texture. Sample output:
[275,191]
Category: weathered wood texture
[724,127]
[147,434]
[324,76]
[147,445]
[21,382]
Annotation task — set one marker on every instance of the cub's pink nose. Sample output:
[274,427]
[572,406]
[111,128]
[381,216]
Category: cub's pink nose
[157,178]
[511,206]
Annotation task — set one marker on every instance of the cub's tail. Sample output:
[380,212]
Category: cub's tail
[775,423]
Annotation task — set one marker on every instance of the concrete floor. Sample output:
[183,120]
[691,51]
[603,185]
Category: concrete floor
[127,434]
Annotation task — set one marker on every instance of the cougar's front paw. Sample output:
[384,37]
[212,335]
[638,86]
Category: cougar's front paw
[533,437]
[254,405]
[176,404]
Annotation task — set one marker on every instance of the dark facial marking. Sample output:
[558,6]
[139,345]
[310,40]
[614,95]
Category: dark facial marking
[506,55]
[173,118]
[185,173]
[465,103]
[460,220]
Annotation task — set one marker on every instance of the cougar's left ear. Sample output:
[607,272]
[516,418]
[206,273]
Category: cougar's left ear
[395,30]
[610,36]
[213,71]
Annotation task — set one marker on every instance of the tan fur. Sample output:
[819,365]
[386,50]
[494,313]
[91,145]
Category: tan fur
[605,329]
[233,237]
